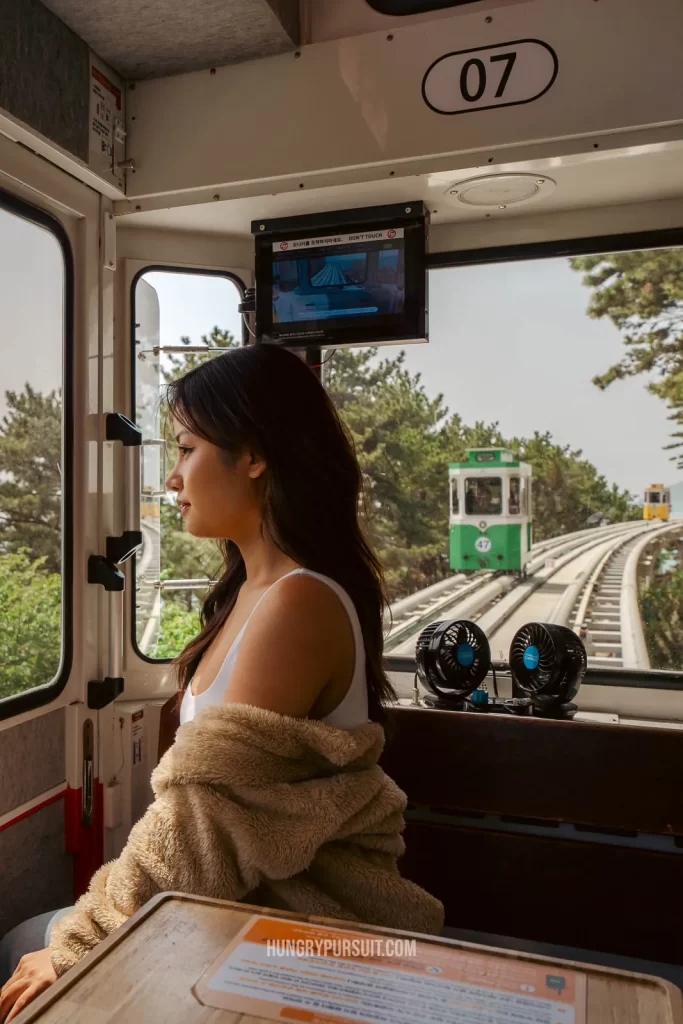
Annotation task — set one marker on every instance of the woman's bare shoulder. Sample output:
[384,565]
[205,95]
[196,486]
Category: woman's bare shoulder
[291,647]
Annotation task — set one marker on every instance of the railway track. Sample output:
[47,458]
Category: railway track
[606,615]
[471,598]
[598,615]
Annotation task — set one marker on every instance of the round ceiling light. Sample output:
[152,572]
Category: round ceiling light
[500,190]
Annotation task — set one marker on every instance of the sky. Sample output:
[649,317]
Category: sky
[31,307]
[508,342]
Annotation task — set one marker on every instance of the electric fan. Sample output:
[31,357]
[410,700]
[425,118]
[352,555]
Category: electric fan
[453,657]
[548,663]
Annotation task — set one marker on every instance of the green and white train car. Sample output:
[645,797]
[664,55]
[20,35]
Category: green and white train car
[490,512]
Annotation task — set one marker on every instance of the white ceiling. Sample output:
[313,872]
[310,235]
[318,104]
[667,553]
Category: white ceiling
[581,182]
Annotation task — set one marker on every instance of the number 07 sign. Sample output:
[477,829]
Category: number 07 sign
[490,76]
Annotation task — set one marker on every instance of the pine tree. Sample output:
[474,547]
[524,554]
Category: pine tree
[31,476]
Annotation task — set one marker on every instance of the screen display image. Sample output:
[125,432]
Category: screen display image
[355,277]
[360,281]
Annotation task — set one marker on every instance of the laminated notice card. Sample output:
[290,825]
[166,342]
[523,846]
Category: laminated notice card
[297,972]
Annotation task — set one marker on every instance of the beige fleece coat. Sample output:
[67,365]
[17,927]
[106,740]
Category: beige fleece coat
[254,806]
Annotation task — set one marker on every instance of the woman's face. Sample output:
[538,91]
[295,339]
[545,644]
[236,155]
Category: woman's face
[216,497]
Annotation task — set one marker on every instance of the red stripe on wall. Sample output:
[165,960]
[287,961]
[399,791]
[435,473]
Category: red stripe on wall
[32,810]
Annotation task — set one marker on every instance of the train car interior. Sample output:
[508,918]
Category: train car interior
[160,165]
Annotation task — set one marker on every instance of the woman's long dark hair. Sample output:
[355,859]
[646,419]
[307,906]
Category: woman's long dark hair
[266,399]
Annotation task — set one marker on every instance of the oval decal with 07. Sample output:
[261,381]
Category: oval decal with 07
[490,76]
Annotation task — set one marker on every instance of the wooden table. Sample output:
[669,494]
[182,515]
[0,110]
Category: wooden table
[145,972]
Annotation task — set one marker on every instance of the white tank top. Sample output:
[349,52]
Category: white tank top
[351,712]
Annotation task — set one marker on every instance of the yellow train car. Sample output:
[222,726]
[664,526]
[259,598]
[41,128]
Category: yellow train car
[657,502]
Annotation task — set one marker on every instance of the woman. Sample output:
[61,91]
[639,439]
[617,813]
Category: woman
[271,793]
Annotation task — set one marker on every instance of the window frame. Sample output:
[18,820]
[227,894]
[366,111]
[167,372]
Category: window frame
[514,479]
[495,483]
[563,248]
[45,693]
[162,268]
[455,496]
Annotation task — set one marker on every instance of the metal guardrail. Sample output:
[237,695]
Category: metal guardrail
[633,648]
[494,619]
[466,602]
[587,579]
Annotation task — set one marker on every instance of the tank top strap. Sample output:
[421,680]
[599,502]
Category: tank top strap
[349,607]
[352,710]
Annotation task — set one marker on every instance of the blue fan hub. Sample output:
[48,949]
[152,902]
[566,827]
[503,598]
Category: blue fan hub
[464,655]
[531,657]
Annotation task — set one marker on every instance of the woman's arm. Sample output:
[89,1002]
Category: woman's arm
[182,843]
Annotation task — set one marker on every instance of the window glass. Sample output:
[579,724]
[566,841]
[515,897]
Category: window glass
[524,496]
[514,503]
[573,366]
[173,569]
[483,496]
[455,500]
[32,342]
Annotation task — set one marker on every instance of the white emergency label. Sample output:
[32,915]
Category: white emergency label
[359,237]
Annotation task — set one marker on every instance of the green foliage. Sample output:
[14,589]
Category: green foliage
[178,626]
[662,611]
[178,364]
[404,441]
[403,453]
[31,476]
[185,557]
[642,294]
[30,620]
[568,491]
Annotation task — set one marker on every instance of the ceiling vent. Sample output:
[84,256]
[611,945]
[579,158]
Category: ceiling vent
[499,190]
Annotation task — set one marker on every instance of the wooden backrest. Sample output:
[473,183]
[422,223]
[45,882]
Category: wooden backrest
[601,776]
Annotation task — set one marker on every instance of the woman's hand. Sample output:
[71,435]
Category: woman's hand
[34,974]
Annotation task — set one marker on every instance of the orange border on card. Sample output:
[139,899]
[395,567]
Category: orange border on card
[464,966]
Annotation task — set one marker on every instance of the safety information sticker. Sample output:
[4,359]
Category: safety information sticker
[105,113]
[290,971]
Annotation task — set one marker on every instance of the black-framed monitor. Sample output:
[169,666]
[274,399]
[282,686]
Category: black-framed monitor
[352,277]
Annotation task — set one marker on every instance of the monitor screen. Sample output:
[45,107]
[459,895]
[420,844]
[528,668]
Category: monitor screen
[339,276]
[341,288]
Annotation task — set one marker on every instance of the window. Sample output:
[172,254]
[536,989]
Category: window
[550,359]
[483,496]
[174,315]
[514,506]
[35,297]
[402,7]
[525,488]
[653,498]
[455,500]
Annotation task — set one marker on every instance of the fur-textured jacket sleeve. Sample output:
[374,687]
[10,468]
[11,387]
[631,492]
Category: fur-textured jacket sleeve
[291,811]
